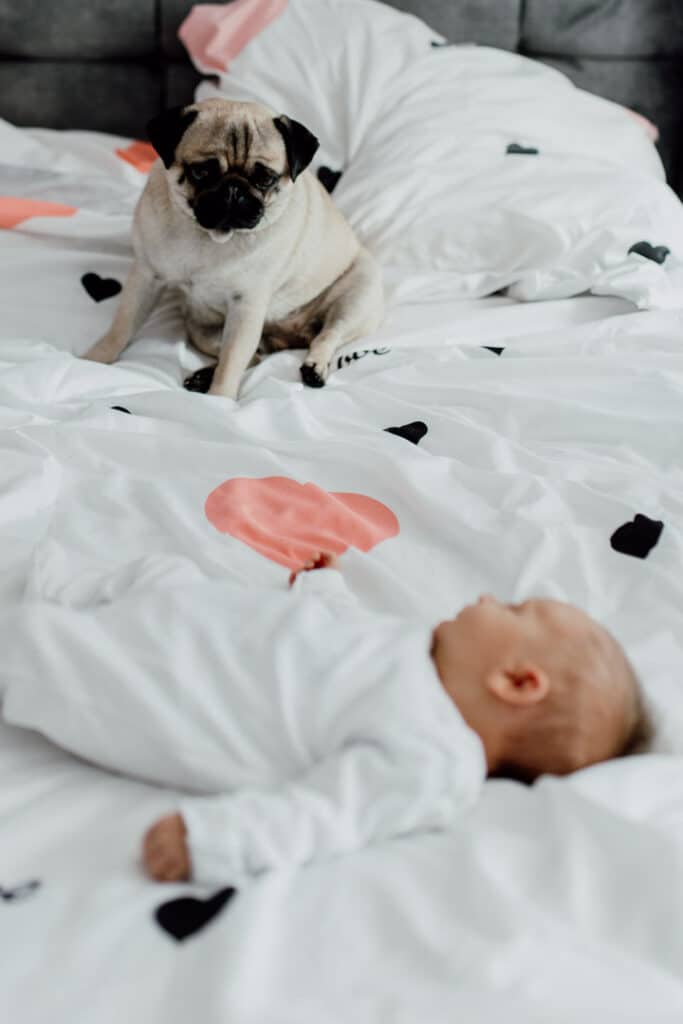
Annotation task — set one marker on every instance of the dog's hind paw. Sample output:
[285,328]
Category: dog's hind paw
[200,380]
[311,376]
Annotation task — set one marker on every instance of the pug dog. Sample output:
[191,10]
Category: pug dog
[259,253]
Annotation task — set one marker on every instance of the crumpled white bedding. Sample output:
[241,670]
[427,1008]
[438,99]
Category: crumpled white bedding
[561,902]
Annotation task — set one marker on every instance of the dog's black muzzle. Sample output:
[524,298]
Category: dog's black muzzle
[229,206]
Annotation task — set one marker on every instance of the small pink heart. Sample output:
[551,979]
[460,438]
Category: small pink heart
[14,210]
[141,155]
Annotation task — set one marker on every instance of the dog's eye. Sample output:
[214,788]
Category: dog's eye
[262,177]
[201,172]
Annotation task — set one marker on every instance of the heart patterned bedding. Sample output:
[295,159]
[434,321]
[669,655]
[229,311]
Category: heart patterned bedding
[472,443]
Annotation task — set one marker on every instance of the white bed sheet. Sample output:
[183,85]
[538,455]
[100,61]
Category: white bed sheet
[560,902]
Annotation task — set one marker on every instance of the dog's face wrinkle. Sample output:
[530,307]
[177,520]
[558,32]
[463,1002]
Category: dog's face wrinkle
[239,143]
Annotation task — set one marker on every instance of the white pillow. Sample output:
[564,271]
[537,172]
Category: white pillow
[327,63]
[421,133]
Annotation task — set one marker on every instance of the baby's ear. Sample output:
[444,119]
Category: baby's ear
[519,687]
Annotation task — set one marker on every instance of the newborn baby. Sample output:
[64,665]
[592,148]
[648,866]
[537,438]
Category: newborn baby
[317,725]
[542,687]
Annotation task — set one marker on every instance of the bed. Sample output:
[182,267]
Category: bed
[523,446]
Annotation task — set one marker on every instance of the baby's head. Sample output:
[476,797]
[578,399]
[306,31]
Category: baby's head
[547,689]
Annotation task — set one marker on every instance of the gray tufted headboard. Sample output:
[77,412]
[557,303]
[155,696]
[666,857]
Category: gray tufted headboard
[110,65]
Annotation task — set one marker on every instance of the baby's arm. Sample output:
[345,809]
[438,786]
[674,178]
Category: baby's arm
[359,796]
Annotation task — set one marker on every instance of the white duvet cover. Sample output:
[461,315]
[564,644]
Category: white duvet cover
[561,902]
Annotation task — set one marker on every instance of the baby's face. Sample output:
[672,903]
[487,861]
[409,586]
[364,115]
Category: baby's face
[491,625]
[503,664]
[491,634]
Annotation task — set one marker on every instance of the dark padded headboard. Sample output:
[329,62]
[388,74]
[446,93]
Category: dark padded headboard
[110,65]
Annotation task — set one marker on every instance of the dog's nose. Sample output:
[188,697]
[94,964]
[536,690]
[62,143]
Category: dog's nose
[234,191]
[240,208]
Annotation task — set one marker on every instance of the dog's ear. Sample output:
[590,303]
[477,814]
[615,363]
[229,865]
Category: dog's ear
[299,143]
[166,130]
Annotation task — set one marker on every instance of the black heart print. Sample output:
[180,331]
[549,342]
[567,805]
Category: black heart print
[187,915]
[515,149]
[413,432]
[657,253]
[638,537]
[100,288]
[328,178]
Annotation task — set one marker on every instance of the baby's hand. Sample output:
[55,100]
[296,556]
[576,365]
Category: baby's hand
[164,850]
[320,560]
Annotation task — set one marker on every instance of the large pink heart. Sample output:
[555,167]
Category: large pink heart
[287,521]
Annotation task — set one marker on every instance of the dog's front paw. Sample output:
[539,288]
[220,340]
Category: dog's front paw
[313,374]
[102,352]
[200,380]
[224,389]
